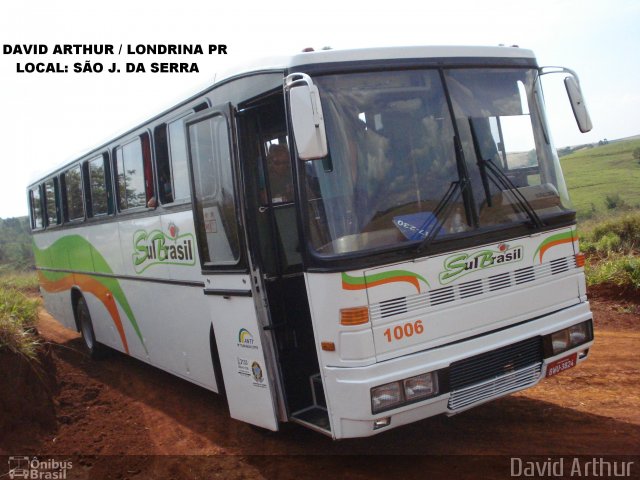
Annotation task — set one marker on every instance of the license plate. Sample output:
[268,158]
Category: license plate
[561,365]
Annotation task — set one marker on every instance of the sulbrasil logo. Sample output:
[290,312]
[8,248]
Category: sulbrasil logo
[159,248]
[461,264]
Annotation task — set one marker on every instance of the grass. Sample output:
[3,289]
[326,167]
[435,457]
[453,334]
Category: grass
[620,270]
[18,314]
[604,182]
[26,282]
[603,178]
[616,233]
[612,246]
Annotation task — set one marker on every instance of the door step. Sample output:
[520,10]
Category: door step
[315,416]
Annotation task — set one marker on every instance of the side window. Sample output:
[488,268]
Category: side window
[279,188]
[35,204]
[99,185]
[72,194]
[171,158]
[52,205]
[215,211]
[134,177]
[178,153]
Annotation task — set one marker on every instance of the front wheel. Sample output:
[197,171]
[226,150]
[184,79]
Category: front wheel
[95,349]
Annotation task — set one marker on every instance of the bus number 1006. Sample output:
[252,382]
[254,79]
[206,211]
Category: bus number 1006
[406,330]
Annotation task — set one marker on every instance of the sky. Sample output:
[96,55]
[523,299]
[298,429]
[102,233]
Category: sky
[50,118]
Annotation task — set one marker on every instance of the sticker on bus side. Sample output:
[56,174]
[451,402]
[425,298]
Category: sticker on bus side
[106,288]
[554,240]
[461,264]
[156,248]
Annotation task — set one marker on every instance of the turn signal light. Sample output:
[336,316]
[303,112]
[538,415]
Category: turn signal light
[328,346]
[579,260]
[354,316]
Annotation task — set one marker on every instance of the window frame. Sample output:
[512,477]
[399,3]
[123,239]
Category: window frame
[148,173]
[184,116]
[88,186]
[64,192]
[241,265]
[32,216]
[162,152]
[56,202]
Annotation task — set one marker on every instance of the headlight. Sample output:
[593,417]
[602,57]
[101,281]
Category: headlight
[578,334]
[560,341]
[420,386]
[567,338]
[403,392]
[386,396]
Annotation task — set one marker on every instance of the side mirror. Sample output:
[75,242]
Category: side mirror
[577,104]
[306,117]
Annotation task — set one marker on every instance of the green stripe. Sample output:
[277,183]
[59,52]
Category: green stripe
[358,281]
[559,236]
[74,252]
[349,280]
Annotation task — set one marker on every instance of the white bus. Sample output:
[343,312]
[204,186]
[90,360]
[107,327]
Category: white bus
[350,240]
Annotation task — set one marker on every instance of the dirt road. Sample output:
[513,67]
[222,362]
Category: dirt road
[120,418]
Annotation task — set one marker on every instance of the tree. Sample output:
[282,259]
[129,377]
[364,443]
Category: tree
[15,243]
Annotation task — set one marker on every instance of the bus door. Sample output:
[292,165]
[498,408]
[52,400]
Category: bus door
[245,362]
[276,249]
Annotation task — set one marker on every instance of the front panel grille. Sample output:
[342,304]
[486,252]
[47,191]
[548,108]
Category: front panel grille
[498,282]
[559,265]
[442,295]
[525,275]
[470,289]
[393,307]
[483,286]
[496,363]
[497,386]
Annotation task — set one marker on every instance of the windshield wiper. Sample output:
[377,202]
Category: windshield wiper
[444,208]
[445,205]
[501,181]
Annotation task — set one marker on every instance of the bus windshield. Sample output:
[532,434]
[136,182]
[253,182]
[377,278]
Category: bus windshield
[399,141]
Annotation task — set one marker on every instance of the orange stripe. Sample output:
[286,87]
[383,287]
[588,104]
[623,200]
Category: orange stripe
[412,280]
[553,244]
[351,286]
[88,284]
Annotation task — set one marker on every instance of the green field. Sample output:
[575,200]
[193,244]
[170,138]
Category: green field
[592,174]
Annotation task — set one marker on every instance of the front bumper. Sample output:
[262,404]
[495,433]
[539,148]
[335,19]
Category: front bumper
[349,389]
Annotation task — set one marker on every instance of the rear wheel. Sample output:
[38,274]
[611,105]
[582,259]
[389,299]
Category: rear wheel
[95,349]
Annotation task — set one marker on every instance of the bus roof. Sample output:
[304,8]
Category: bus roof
[381,53]
[308,58]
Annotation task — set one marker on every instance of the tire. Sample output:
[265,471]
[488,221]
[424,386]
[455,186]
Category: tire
[95,349]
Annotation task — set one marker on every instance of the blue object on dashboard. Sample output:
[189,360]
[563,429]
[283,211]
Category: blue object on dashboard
[416,226]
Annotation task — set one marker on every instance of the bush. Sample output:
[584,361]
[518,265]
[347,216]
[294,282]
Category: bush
[626,228]
[614,201]
[614,245]
[608,243]
[18,316]
[622,271]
